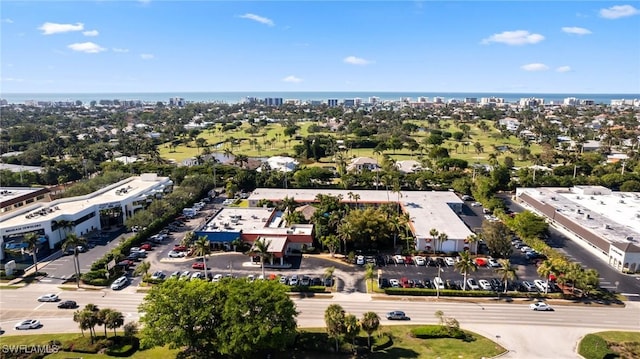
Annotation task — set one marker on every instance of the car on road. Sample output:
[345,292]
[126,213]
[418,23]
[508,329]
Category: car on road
[540,306]
[48,298]
[68,304]
[158,275]
[197,265]
[119,283]
[176,254]
[28,324]
[397,315]
[484,284]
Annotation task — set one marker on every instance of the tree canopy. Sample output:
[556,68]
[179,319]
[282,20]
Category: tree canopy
[232,317]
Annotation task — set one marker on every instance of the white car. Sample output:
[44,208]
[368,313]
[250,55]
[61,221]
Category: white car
[472,284]
[217,278]
[419,261]
[174,254]
[438,283]
[119,283]
[398,259]
[449,261]
[476,204]
[28,324]
[484,284]
[394,283]
[251,277]
[541,285]
[360,260]
[525,249]
[293,281]
[196,275]
[540,306]
[48,298]
[158,275]
[492,262]
[185,275]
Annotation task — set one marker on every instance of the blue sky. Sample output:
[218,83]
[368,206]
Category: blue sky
[423,46]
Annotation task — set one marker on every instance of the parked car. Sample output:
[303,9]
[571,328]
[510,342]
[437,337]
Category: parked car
[305,281]
[217,278]
[540,306]
[449,261]
[398,259]
[176,254]
[420,261]
[178,248]
[397,315]
[28,324]
[48,298]
[472,284]
[158,275]
[175,275]
[541,285]
[528,286]
[185,275]
[119,283]
[492,262]
[476,204]
[484,284]
[146,247]
[196,275]
[497,284]
[316,281]
[360,260]
[328,282]
[68,304]
[283,279]
[394,283]
[438,283]
[294,280]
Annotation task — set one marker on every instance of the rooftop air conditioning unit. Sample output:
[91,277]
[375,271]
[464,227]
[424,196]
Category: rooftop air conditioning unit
[586,216]
[579,211]
[607,226]
[630,239]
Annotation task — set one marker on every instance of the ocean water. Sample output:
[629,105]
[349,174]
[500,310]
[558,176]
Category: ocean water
[236,97]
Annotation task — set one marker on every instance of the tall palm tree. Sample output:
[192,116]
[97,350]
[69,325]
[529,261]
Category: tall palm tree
[369,273]
[370,322]
[202,248]
[64,224]
[32,240]
[442,237]
[334,320]
[434,236]
[465,266]
[261,249]
[471,240]
[114,320]
[345,232]
[73,242]
[506,272]
[546,268]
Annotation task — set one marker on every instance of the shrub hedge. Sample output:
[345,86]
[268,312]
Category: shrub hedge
[312,289]
[437,331]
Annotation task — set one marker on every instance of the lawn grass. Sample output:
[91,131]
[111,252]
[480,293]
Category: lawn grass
[489,140]
[610,344]
[390,342]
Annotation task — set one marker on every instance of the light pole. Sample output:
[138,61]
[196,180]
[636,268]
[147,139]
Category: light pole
[439,281]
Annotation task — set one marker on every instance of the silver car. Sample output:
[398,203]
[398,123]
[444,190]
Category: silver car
[28,324]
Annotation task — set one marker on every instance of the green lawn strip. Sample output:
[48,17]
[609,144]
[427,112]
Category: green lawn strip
[597,345]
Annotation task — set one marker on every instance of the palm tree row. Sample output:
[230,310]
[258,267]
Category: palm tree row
[90,317]
[346,326]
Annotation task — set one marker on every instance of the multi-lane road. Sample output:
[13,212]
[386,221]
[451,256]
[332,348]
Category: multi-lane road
[523,332]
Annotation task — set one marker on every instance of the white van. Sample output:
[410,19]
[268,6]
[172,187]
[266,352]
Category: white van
[438,283]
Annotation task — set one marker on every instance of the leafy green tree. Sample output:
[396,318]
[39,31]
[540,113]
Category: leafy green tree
[370,322]
[528,225]
[334,318]
[331,242]
[369,273]
[497,238]
[143,268]
[73,242]
[465,266]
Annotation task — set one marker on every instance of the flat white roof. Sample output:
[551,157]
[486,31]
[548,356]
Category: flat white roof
[254,220]
[10,193]
[427,209]
[127,190]
[619,210]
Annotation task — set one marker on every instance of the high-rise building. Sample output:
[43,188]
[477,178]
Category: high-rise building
[332,102]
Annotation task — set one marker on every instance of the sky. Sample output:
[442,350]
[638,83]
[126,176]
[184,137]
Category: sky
[110,46]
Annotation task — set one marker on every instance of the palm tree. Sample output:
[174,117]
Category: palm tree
[114,320]
[370,322]
[289,204]
[369,273]
[545,270]
[64,224]
[351,329]
[261,249]
[202,248]
[32,240]
[442,237]
[471,240]
[102,318]
[143,268]
[465,266]
[434,235]
[345,232]
[73,242]
[334,321]
[506,272]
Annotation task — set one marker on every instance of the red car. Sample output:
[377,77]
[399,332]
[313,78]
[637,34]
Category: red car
[146,247]
[198,265]
[180,248]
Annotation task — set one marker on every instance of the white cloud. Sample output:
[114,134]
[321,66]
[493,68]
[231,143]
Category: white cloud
[50,28]
[535,67]
[292,79]
[11,79]
[563,69]
[518,37]
[90,33]
[353,60]
[7,21]
[146,56]
[576,30]
[88,47]
[116,49]
[618,11]
[258,18]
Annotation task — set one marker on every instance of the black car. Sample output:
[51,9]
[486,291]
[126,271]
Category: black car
[427,283]
[316,281]
[68,304]
[328,282]
[496,284]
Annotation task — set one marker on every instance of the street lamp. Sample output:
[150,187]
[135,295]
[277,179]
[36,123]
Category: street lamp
[439,281]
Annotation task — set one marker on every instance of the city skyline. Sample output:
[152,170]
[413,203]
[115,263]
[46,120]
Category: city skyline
[210,46]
